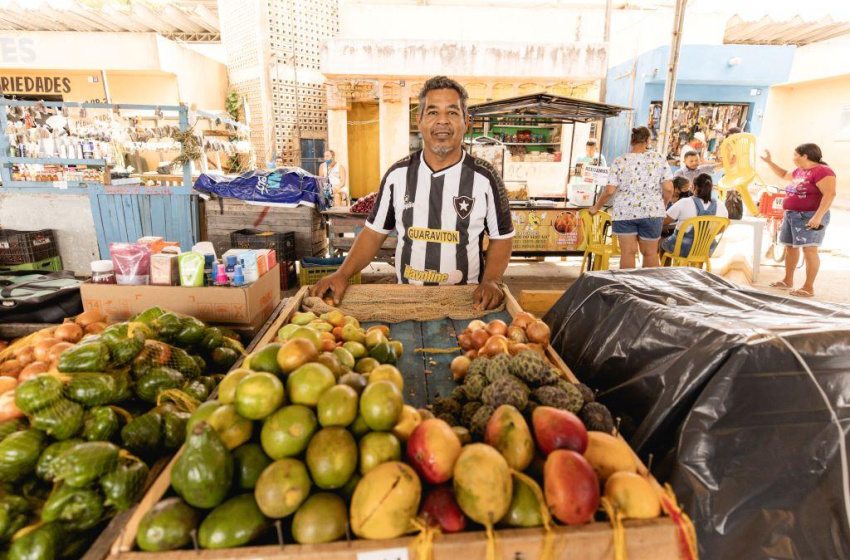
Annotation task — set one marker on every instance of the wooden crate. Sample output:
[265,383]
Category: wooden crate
[343,228]
[655,539]
[226,215]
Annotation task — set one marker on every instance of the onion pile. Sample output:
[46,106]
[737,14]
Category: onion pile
[496,337]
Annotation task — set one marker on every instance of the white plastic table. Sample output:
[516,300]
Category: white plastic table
[758,225]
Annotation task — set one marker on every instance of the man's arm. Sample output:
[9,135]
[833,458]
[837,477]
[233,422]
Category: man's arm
[488,294]
[366,246]
[343,176]
[603,199]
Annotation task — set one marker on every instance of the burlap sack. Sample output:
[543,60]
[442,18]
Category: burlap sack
[374,302]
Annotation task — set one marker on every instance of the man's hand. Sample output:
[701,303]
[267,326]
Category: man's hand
[336,283]
[488,295]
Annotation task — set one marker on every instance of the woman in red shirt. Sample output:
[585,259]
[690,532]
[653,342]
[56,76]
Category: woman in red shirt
[807,200]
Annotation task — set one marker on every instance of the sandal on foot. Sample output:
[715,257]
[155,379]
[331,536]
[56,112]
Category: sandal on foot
[802,293]
[780,285]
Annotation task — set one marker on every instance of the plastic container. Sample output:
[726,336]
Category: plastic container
[102,272]
[21,247]
[132,263]
[191,267]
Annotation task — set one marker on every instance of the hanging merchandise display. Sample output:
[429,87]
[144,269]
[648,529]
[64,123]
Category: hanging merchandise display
[700,126]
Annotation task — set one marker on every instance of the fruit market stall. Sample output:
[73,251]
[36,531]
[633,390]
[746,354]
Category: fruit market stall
[739,394]
[326,454]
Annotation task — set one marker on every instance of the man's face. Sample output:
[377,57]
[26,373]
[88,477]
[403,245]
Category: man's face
[691,161]
[329,156]
[591,151]
[442,122]
[278,162]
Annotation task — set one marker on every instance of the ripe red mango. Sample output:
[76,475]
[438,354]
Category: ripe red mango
[571,487]
[440,508]
[433,449]
[558,429]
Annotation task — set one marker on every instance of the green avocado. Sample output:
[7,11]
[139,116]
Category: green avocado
[123,486]
[91,389]
[100,424]
[85,463]
[77,509]
[44,468]
[236,522]
[43,543]
[203,473]
[248,462]
[156,380]
[167,526]
[19,454]
[63,419]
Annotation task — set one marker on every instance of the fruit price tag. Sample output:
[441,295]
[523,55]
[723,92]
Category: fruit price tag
[386,554]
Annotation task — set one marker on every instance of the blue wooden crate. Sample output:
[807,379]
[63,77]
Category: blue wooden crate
[124,214]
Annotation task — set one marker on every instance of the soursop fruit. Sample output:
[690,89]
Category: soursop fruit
[498,367]
[566,398]
[529,367]
[597,417]
[506,390]
[469,410]
[478,426]
[551,377]
[459,394]
[446,405]
[473,386]
[449,419]
[478,366]
[587,393]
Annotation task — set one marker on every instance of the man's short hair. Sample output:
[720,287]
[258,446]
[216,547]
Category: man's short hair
[680,182]
[689,153]
[592,142]
[443,82]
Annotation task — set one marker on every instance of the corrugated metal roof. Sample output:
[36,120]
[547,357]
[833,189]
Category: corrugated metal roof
[545,108]
[794,31]
[184,20]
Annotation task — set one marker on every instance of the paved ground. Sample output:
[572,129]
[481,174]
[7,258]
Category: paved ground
[832,285]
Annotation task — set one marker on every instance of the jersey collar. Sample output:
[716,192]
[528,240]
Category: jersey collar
[442,171]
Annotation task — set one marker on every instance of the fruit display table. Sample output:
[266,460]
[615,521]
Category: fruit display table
[427,376]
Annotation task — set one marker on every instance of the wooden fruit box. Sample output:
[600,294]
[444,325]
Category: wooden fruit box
[427,376]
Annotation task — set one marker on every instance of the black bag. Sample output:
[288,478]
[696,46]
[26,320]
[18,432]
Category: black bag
[33,297]
[734,205]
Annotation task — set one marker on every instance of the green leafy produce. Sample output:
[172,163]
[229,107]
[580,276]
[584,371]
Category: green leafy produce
[19,454]
[203,473]
[38,392]
[124,485]
[91,389]
[89,356]
[76,508]
[100,424]
[85,463]
[62,420]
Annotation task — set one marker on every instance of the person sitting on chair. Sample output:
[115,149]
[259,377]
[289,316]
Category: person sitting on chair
[700,204]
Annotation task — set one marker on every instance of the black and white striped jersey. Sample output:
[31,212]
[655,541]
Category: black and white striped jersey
[441,218]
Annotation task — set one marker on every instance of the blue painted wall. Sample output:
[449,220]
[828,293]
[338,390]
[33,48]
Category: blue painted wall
[704,75]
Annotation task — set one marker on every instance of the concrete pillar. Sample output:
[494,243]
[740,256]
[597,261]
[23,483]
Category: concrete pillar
[394,131]
[338,134]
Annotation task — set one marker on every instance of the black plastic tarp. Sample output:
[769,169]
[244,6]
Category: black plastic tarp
[693,366]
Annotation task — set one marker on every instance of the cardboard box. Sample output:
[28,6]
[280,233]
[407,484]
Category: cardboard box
[250,305]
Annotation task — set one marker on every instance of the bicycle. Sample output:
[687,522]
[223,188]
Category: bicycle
[770,207]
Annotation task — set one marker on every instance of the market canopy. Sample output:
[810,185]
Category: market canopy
[547,108]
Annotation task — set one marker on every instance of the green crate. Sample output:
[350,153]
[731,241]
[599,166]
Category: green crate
[46,265]
[311,275]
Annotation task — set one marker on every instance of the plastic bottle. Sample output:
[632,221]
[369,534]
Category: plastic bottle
[209,274]
[102,272]
[220,276]
[230,262]
[238,277]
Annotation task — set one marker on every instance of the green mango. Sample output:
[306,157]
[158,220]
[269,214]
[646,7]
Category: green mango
[201,414]
[248,462]
[38,392]
[143,433]
[236,522]
[19,454]
[196,389]
[203,473]
[183,362]
[125,484]
[233,343]
[167,526]
[123,385]
[384,352]
[212,339]
[42,543]
[90,356]
[100,424]
[85,463]
[191,332]
[148,316]
[44,468]
[14,512]
[9,427]
[168,324]
[91,389]
[232,429]
[62,419]
[174,428]
[77,509]
[156,380]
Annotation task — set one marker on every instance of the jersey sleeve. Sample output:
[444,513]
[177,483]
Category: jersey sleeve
[498,221]
[382,217]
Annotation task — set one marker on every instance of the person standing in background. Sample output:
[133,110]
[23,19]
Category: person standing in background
[592,155]
[641,179]
[336,174]
[808,198]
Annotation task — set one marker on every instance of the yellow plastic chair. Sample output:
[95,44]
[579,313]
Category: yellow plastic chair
[739,166]
[706,230]
[600,241]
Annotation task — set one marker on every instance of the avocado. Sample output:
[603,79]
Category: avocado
[236,522]
[167,526]
[203,473]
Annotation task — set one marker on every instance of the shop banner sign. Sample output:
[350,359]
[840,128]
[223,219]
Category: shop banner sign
[595,174]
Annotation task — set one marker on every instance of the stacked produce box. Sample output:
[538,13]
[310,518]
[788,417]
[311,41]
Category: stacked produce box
[86,408]
[310,441]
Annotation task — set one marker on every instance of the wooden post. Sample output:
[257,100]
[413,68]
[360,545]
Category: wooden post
[670,81]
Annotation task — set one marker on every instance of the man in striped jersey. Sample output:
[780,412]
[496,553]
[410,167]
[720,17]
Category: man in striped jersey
[441,201]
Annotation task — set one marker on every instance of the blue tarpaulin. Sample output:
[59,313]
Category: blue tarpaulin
[287,187]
